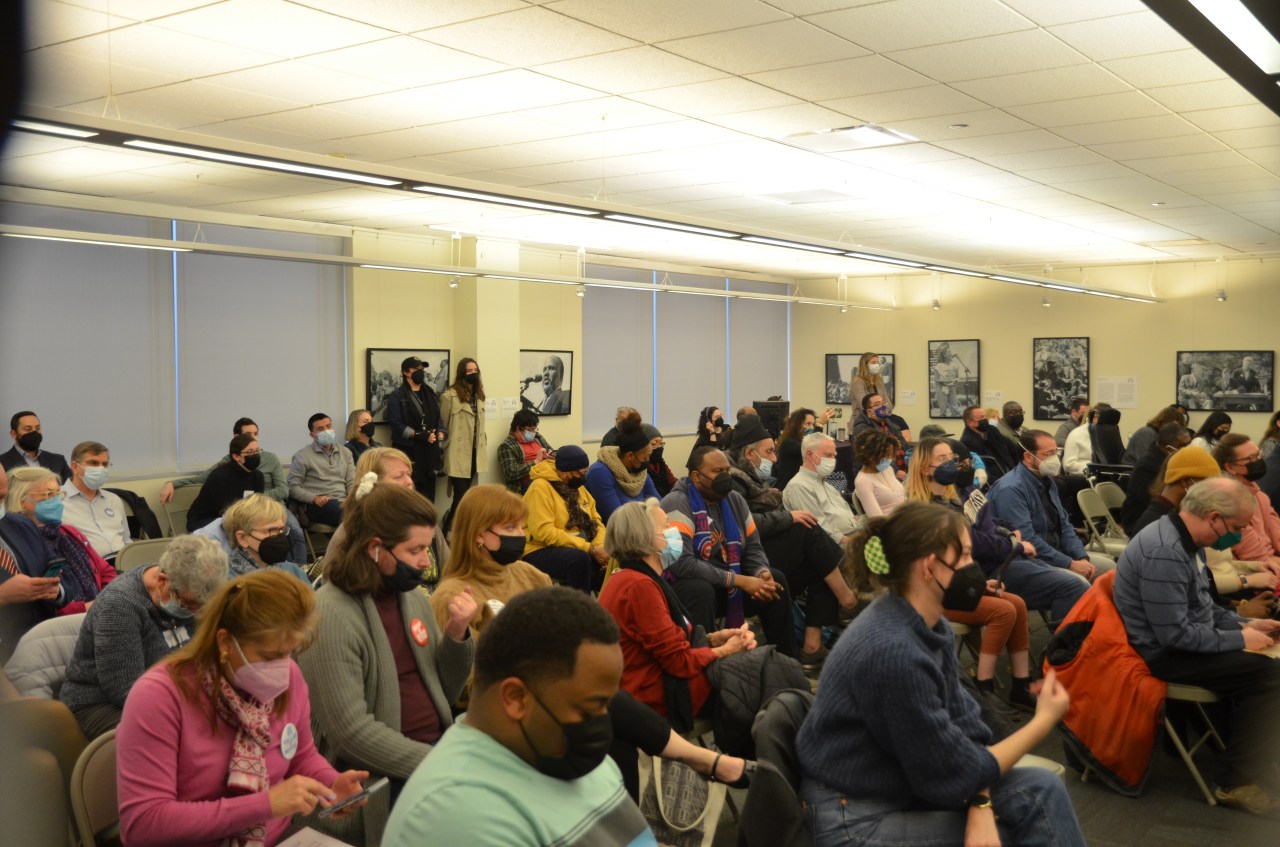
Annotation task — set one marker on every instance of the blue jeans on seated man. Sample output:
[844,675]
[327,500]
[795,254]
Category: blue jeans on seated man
[1044,587]
[330,513]
[1032,809]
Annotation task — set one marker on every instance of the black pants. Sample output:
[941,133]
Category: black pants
[806,554]
[635,727]
[460,485]
[706,602]
[569,566]
[1252,682]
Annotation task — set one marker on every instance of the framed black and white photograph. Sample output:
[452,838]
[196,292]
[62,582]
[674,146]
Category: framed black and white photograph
[383,375]
[954,377]
[546,381]
[1227,380]
[1059,373]
[843,367]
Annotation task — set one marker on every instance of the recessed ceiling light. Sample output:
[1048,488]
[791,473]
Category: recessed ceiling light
[959,126]
[1158,203]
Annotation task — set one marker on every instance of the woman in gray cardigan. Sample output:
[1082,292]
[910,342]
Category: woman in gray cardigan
[368,707]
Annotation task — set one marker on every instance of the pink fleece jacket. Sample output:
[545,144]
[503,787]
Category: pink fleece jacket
[171,768]
[1261,538]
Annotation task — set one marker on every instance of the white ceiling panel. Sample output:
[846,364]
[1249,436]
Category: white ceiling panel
[783,120]
[845,78]
[887,107]
[177,55]
[721,96]
[994,55]
[537,35]
[201,98]
[940,127]
[1246,139]
[1183,145]
[664,20]
[1078,173]
[597,115]
[300,82]
[271,26]
[766,47]
[53,22]
[510,91]
[494,131]
[405,62]
[1194,96]
[1190,162]
[878,27]
[139,10]
[1133,129]
[316,122]
[1101,107]
[1049,12]
[1121,36]
[1043,86]
[59,77]
[1175,67]
[1234,117]
[634,69]
[412,15]
[1060,157]
[1003,144]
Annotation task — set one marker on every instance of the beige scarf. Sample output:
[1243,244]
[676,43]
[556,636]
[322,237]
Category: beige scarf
[631,482]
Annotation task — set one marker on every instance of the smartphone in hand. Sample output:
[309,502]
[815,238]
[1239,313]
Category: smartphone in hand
[355,798]
[55,568]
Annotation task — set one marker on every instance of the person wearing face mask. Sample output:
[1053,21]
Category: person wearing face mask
[1144,436]
[876,416]
[1241,459]
[359,433]
[1027,499]
[564,531]
[413,414]
[1011,418]
[137,620]
[523,448]
[723,569]
[255,529]
[1171,438]
[867,379]
[215,746]
[24,429]
[712,429]
[466,450]
[322,473]
[1163,596]
[529,761]
[97,513]
[1076,415]
[800,423]
[808,489]
[659,472]
[229,483]
[620,474]
[1176,475]
[382,673]
[893,740]
[26,596]
[877,486]
[980,436]
[1217,425]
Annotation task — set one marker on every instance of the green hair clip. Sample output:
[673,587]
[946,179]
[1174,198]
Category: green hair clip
[874,553]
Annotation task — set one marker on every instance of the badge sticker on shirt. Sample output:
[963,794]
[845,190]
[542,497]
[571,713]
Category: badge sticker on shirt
[289,741]
[170,639]
[419,631]
[495,606]
[109,512]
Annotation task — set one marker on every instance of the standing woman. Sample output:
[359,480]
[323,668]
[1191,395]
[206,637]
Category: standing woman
[894,750]
[466,451]
[413,413]
[866,380]
[360,433]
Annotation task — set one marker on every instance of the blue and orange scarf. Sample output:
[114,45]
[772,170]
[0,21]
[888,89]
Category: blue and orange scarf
[728,539]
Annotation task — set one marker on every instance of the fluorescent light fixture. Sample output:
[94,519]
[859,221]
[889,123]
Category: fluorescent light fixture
[947,270]
[415,270]
[1014,279]
[794,245]
[698,293]
[1070,288]
[503,200]
[871,257]
[870,135]
[1237,23]
[255,162]
[1139,299]
[99,243]
[1104,294]
[528,279]
[645,288]
[696,230]
[749,296]
[51,129]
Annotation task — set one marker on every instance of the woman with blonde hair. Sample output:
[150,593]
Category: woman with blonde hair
[359,433]
[258,537]
[215,745]
[866,380]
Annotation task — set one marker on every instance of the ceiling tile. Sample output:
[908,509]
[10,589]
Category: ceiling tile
[59,77]
[995,55]
[1100,107]
[1133,129]
[813,7]
[905,154]
[536,35]
[783,120]
[903,24]
[985,122]
[53,22]
[633,69]
[846,78]
[720,96]
[1193,96]
[177,55]
[1028,163]
[1266,156]
[1121,36]
[664,20]
[1234,117]
[412,15]
[138,10]
[405,62]
[1078,173]
[300,82]
[1049,12]
[316,122]
[1043,85]
[1180,146]
[1005,143]
[510,91]
[1175,67]
[597,115]
[271,26]
[766,47]
[1244,139]
[1191,162]
[887,107]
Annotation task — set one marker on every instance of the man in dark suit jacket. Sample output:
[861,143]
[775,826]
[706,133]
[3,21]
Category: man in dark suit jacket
[984,439]
[24,429]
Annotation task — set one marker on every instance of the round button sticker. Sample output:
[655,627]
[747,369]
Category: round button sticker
[289,741]
[419,631]
[109,512]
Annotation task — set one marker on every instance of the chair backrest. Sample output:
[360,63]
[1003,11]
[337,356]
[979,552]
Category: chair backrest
[1112,495]
[771,815]
[176,509]
[93,789]
[39,662]
[137,553]
[1108,445]
[1097,517]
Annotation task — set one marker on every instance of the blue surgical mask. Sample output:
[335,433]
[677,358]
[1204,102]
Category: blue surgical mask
[675,546]
[528,435]
[95,478]
[766,468]
[49,511]
[883,412]
[327,438]
[884,465]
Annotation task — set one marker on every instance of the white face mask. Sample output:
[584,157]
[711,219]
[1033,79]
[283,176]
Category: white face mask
[825,467]
[874,370]
[1050,467]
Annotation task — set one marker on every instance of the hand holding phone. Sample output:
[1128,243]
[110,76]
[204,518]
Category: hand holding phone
[358,797]
[54,571]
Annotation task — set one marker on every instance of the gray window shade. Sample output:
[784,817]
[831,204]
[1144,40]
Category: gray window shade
[758,346]
[691,370]
[617,345]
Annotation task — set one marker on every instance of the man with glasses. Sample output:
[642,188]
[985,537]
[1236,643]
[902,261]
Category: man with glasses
[24,429]
[1241,459]
[1162,593]
[229,482]
[89,507]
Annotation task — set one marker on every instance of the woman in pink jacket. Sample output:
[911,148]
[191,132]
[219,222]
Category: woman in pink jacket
[215,744]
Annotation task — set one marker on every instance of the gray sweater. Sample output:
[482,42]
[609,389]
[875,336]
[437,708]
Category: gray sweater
[123,634]
[1162,592]
[313,473]
[713,569]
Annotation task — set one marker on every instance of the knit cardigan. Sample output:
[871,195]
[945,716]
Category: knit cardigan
[355,694]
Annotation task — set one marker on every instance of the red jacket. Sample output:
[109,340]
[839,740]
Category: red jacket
[652,644]
[103,572]
[1117,706]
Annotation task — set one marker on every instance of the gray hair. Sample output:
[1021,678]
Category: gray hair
[195,565]
[1222,495]
[813,441]
[21,481]
[631,533]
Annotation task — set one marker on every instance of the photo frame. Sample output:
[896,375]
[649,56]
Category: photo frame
[383,376]
[1059,373]
[1222,380]
[546,382]
[955,380]
[840,369]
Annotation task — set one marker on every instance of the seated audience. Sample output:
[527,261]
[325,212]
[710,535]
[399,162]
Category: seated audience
[255,530]
[980,436]
[808,490]
[712,430]
[1144,436]
[1010,425]
[35,532]
[523,448]
[659,474]
[25,600]
[413,414]
[1077,413]
[24,429]
[610,438]
[359,433]
[98,514]
[137,620]
[790,457]
[875,416]
[229,483]
[382,674]
[894,750]
[1108,443]
[1185,638]
[1212,430]
[876,486]
[215,746]
[902,425]
[1270,436]
[1241,459]
[322,473]
[620,474]
[723,569]
[1078,452]
[528,763]
[793,541]
[565,533]
[1178,473]
[867,379]
[1027,499]
[1172,437]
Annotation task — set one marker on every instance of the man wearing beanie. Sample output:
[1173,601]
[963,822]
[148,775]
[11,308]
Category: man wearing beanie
[1186,467]
[1170,438]
[564,534]
[620,473]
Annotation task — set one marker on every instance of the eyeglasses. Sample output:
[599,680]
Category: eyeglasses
[39,496]
[270,532]
[94,463]
[249,453]
[187,603]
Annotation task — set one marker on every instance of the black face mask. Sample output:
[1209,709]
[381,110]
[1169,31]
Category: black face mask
[946,473]
[586,743]
[1255,470]
[274,549]
[655,457]
[30,442]
[718,423]
[576,481]
[406,578]
[418,377]
[968,584]
[510,549]
[984,425]
[472,379]
[251,463]
[367,429]
[722,485]
[1014,421]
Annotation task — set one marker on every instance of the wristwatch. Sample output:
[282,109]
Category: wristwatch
[980,801]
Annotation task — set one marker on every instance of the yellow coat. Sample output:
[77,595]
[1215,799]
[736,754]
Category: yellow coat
[548,513]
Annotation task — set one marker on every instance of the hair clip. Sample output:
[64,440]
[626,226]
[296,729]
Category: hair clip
[874,554]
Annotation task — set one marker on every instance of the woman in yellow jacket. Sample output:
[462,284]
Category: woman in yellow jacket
[564,534]
[466,449]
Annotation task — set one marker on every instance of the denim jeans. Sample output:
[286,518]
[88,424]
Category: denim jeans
[1043,586]
[1031,804]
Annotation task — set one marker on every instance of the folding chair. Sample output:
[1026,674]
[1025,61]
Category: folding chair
[137,553]
[1110,539]
[1113,496]
[1197,697]
[176,509]
[93,791]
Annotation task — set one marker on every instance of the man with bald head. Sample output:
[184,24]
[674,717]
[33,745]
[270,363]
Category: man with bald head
[555,399]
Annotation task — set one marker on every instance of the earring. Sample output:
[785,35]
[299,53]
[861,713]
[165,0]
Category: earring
[223,658]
